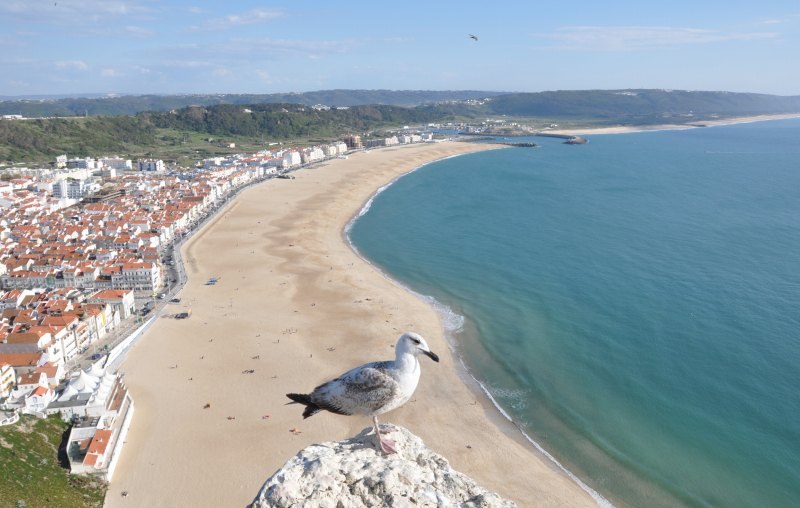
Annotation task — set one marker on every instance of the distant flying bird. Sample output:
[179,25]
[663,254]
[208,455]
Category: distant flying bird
[473,37]
[373,388]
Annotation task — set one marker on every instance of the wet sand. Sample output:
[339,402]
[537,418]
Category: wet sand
[295,306]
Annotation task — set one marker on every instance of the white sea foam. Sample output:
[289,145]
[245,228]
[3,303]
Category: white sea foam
[364,209]
[599,499]
[453,323]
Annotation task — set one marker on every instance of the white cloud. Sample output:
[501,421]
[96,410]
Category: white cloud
[789,18]
[138,31]
[268,46]
[71,11]
[264,76]
[110,73]
[247,51]
[398,40]
[190,64]
[72,64]
[234,20]
[626,38]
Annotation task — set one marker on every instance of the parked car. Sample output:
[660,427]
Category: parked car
[96,356]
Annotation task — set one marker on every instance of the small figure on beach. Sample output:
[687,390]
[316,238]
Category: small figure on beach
[371,389]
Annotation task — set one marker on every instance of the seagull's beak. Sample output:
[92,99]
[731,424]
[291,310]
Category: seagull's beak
[433,356]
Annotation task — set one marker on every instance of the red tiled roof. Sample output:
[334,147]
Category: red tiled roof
[23,338]
[41,391]
[20,359]
[100,441]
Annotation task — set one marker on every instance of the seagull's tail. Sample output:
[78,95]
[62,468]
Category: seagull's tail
[301,398]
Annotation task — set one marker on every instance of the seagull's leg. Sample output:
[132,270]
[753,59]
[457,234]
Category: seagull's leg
[387,445]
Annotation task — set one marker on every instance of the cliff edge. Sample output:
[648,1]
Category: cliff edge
[352,473]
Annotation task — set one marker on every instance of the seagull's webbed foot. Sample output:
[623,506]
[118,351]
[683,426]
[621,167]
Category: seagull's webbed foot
[386,445]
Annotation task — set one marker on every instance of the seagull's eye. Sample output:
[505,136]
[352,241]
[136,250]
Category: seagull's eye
[415,340]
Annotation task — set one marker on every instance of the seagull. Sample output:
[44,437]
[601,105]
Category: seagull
[371,389]
[473,37]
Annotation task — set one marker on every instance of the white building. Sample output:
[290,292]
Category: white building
[85,163]
[151,165]
[109,173]
[72,188]
[213,162]
[290,159]
[116,163]
[38,400]
[140,276]
[106,409]
[310,155]
[8,379]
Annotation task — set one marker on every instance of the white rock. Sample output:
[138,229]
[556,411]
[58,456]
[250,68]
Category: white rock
[352,473]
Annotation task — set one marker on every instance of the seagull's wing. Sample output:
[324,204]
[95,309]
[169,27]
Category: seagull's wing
[362,390]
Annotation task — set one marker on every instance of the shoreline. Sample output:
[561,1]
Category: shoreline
[452,324]
[312,296]
[664,127]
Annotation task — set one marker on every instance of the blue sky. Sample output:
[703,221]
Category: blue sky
[237,46]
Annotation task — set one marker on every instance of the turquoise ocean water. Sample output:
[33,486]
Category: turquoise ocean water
[633,304]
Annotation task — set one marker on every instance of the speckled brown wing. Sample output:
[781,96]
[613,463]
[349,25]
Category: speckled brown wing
[363,391]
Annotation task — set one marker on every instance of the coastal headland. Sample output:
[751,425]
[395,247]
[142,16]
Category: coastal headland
[293,306]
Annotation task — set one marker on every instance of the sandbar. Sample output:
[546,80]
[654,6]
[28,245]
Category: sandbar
[623,129]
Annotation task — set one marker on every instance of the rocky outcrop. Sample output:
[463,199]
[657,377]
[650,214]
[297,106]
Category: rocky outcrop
[352,473]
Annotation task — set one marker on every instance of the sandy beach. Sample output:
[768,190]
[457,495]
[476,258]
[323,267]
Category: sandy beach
[706,123]
[293,307]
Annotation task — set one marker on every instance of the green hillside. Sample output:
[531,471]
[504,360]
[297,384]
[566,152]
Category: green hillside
[197,131]
[133,104]
[33,471]
[640,106]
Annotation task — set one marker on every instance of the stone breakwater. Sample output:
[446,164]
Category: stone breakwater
[352,473]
